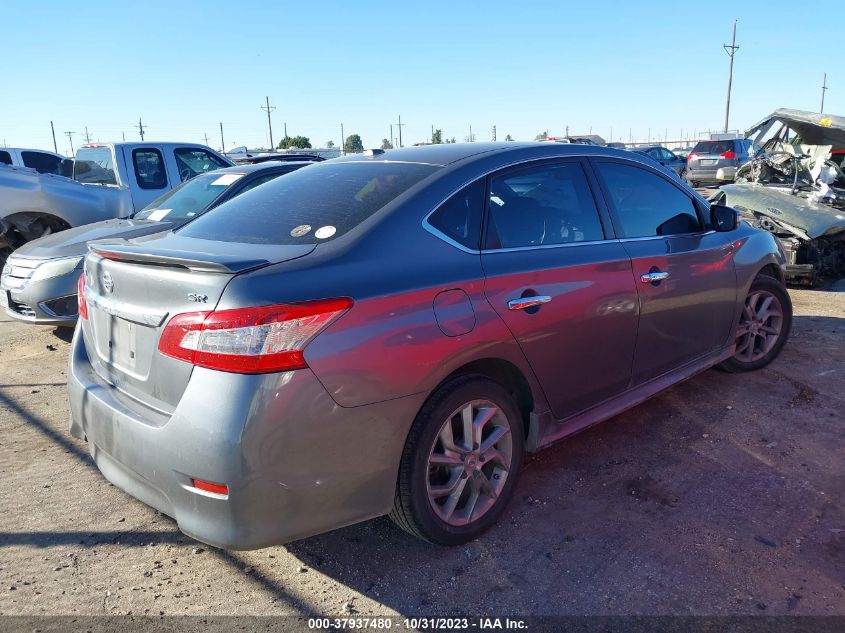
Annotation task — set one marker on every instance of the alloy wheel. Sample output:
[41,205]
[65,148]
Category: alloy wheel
[760,326]
[469,462]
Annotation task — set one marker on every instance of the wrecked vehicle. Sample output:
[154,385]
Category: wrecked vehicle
[110,180]
[794,187]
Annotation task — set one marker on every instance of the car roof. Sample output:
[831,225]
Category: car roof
[448,153]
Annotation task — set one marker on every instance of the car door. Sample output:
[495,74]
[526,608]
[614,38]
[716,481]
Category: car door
[147,175]
[684,271]
[563,288]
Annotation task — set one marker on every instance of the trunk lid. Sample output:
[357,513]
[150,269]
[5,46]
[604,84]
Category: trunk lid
[134,287]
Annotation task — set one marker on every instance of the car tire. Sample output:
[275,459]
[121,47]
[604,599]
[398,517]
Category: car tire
[764,326]
[450,490]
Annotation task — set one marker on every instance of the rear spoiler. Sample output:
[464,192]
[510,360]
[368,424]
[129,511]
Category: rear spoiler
[217,263]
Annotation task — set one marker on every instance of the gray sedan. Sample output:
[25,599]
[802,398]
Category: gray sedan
[38,282]
[391,332]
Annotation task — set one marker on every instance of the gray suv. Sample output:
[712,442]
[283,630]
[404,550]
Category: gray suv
[391,332]
[716,161]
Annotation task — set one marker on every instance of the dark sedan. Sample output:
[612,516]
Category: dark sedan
[664,157]
[38,283]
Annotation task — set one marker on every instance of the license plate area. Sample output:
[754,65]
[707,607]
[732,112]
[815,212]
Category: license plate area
[708,162]
[120,344]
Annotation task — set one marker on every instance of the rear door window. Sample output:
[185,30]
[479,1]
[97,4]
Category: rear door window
[94,165]
[544,205]
[149,168]
[193,161]
[42,163]
[5,158]
[459,218]
[309,206]
[647,205]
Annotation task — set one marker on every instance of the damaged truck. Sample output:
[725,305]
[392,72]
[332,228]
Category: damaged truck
[110,180]
[794,187]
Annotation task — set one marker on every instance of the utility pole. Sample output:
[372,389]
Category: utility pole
[731,51]
[471,137]
[400,125]
[269,109]
[87,136]
[124,136]
[53,130]
[824,89]
[70,139]
[205,136]
[611,133]
[494,133]
[222,143]
[391,134]
[342,141]
[286,129]
[141,127]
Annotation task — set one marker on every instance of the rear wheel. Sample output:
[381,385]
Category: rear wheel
[460,462]
[763,326]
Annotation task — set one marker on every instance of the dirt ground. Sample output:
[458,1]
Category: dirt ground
[724,495]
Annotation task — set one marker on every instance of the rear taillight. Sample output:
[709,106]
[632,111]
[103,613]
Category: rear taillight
[249,340]
[80,298]
[730,155]
[691,155]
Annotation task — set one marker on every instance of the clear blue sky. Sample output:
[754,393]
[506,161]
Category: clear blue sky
[523,66]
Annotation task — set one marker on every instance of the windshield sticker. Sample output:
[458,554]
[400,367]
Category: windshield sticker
[300,230]
[324,232]
[497,200]
[226,179]
[158,214]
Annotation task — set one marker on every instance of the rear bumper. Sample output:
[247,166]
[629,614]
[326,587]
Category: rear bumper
[32,301]
[296,463]
[711,174]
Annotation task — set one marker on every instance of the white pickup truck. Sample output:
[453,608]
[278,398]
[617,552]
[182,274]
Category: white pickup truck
[109,180]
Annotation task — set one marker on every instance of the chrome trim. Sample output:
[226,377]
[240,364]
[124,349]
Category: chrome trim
[110,307]
[528,302]
[663,237]
[650,278]
[442,236]
[514,249]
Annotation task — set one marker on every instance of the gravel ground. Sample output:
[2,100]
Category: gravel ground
[724,495]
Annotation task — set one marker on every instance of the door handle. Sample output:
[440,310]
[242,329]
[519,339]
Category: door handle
[654,277]
[528,302]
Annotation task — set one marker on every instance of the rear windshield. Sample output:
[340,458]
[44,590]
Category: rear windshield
[311,205]
[94,165]
[188,199]
[714,147]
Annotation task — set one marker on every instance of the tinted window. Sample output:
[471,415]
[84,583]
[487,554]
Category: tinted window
[538,206]
[194,161]
[188,199]
[311,205]
[647,205]
[94,165]
[713,147]
[42,163]
[459,218]
[149,168]
[5,158]
[260,181]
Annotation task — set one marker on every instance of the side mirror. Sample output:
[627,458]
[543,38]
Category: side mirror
[723,218]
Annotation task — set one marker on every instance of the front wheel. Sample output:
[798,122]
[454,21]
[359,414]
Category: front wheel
[763,326]
[460,462]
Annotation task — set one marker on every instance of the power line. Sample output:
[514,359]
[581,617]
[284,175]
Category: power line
[70,139]
[141,127]
[731,51]
[400,125]
[824,89]
[269,109]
